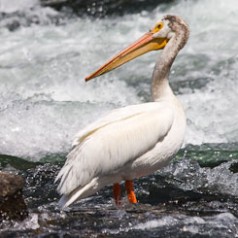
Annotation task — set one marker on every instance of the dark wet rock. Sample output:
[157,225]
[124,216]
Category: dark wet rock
[12,205]
[182,200]
[102,8]
[185,180]
[40,186]
[10,184]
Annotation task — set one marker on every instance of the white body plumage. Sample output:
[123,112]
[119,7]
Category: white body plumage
[128,143]
[136,140]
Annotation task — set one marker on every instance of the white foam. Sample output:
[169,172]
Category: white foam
[152,224]
[16,5]
[44,99]
[189,224]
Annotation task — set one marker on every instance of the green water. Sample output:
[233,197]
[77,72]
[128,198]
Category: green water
[208,155]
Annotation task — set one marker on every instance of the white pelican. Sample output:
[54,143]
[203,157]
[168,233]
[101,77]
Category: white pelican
[132,141]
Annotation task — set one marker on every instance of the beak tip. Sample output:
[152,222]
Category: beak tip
[87,79]
[91,76]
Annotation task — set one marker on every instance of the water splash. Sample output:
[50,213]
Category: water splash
[44,100]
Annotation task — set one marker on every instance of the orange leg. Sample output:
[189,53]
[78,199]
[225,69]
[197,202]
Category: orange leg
[117,193]
[130,191]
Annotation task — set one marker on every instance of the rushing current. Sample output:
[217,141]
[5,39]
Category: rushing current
[44,101]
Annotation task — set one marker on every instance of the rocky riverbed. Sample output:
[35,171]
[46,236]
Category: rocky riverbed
[185,199]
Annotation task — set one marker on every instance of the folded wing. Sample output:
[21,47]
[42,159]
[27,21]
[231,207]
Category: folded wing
[105,146]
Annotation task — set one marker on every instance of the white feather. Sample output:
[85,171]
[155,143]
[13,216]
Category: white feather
[104,150]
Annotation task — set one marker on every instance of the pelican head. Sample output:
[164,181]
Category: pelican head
[156,39]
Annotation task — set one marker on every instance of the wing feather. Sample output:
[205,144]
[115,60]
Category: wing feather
[107,145]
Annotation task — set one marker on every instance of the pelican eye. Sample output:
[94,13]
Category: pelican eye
[157,28]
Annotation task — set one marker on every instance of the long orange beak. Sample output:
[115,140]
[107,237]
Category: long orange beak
[143,45]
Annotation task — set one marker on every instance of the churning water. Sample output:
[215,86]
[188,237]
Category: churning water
[44,58]
[44,100]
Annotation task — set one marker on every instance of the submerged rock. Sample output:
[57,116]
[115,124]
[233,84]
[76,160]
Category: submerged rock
[185,180]
[12,204]
[102,8]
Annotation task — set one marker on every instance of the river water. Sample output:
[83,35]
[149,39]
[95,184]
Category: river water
[44,58]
